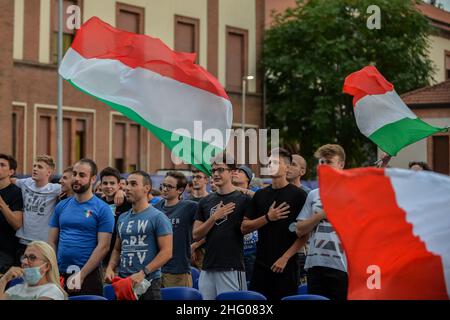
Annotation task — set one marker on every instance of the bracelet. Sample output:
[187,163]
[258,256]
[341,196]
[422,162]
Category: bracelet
[267,217]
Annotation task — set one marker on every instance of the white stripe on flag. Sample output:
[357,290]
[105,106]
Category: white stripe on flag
[427,205]
[161,101]
[375,111]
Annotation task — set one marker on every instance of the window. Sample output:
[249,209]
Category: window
[119,146]
[78,138]
[447,65]
[43,138]
[133,148]
[68,35]
[236,67]
[187,35]
[127,143]
[441,154]
[130,18]
[15,133]
[67,129]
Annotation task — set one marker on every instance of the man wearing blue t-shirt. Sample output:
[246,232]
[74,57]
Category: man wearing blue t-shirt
[80,233]
[144,240]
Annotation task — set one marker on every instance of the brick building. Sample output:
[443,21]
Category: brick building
[226,35]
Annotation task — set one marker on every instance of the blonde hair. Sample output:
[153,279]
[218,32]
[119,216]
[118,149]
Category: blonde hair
[49,256]
[329,151]
[47,160]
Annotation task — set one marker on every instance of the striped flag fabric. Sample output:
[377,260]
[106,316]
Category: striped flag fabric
[380,113]
[394,225]
[160,89]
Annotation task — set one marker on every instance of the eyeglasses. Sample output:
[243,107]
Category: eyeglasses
[31,258]
[197,177]
[220,170]
[167,186]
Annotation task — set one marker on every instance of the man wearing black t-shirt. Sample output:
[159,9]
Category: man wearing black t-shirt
[219,217]
[11,212]
[109,181]
[273,212]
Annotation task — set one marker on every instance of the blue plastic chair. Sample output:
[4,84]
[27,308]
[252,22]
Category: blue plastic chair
[302,289]
[241,295]
[87,297]
[195,276]
[108,292]
[305,297]
[180,293]
[14,282]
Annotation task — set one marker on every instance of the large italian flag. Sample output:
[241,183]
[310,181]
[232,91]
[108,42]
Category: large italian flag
[162,90]
[394,225]
[380,113]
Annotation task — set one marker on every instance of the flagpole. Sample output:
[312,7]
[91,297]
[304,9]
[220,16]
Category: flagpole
[59,148]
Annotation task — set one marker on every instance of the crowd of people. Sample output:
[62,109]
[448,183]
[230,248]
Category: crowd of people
[72,237]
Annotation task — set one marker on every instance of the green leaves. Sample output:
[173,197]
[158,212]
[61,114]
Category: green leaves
[313,47]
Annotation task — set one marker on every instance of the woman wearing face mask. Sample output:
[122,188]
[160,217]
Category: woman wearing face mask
[40,273]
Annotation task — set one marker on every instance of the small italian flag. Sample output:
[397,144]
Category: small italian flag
[380,113]
[162,90]
[394,225]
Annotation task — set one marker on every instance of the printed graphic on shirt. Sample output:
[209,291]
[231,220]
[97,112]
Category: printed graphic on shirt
[213,210]
[134,242]
[35,202]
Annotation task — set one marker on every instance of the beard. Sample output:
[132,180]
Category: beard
[79,189]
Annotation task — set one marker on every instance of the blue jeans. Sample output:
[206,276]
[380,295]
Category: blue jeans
[249,262]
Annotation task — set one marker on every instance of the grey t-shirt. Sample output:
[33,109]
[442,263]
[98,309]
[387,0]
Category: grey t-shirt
[139,234]
[181,216]
[325,248]
[38,208]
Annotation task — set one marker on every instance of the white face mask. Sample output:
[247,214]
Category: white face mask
[32,275]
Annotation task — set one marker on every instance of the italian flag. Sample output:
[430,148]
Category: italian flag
[158,88]
[394,225]
[380,113]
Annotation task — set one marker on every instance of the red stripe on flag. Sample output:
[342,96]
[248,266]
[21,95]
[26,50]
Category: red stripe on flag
[97,39]
[361,206]
[366,81]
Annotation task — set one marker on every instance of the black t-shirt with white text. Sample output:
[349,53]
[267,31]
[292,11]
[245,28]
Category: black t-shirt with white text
[225,241]
[12,195]
[275,238]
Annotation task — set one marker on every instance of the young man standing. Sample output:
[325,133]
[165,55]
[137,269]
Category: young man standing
[144,240]
[181,213]
[39,199]
[66,184]
[81,233]
[109,182]
[325,262]
[296,171]
[11,212]
[218,218]
[199,183]
[241,179]
[272,213]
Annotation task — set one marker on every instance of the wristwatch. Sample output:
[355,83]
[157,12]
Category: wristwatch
[146,271]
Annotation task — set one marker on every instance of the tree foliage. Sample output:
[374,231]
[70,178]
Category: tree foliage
[310,50]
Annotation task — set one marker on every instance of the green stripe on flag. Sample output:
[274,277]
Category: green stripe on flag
[393,137]
[166,136]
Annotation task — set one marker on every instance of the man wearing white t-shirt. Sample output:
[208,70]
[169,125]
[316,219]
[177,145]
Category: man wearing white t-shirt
[39,200]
